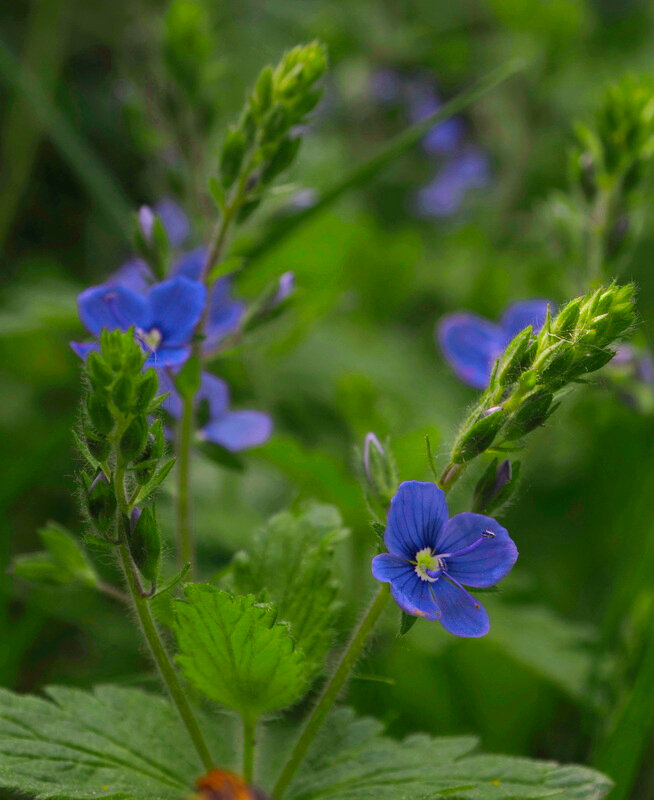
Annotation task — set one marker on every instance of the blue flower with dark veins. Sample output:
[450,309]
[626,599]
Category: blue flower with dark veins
[233,430]
[164,318]
[431,558]
[472,344]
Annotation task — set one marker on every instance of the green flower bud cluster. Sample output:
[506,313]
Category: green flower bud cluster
[124,452]
[609,163]
[263,144]
[534,369]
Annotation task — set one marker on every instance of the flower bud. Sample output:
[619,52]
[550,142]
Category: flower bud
[478,437]
[146,389]
[123,393]
[98,372]
[532,412]
[101,504]
[99,414]
[563,325]
[145,542]
[495,486]
[379,471]
[282,158]
[133,440]
[231,156]
[516,359]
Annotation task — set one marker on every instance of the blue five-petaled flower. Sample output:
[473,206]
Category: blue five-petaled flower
[163,318]
[431,557]
[472,344]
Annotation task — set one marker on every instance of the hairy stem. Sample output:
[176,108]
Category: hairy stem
[332,689]
[185,544]
[162,659]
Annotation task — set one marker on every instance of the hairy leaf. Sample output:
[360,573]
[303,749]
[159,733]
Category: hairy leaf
[235,652]
[351,760]
[291,564]
[113,743]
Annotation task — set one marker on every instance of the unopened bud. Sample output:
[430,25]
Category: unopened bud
[145,543]
[133,440]
[379,471]
[532,412]
[101,504]
[478,437]
[495,486]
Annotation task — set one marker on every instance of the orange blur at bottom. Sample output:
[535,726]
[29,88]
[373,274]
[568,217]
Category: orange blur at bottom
[218,784]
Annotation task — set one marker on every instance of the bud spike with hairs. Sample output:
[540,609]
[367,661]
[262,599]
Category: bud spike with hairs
[522,392]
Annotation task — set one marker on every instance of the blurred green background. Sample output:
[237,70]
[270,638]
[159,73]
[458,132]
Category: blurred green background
[109,105]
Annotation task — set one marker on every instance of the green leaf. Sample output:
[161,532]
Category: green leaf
[113,743]
[63,562]
[290,563]
[351,760]
[233,650]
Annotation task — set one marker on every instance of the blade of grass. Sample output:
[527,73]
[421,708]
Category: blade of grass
[280,228]
[90,171]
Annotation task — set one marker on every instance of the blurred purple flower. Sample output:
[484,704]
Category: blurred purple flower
[233,430]
[386,85]
[472,344]
[445,137]
[444,195]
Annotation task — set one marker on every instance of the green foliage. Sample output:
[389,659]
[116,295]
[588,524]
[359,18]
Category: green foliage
[351,760]
[235,652]
[113,743]
[62,562]
[291,563]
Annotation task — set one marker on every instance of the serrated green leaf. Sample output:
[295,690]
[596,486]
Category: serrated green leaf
[351,760]
[113,743]
[235,652]
[291,560]
[62,563]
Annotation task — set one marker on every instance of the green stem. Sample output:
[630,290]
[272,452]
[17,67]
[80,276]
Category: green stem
[597,222]
[162,660]
[332,689]
[185,544]
[249,740]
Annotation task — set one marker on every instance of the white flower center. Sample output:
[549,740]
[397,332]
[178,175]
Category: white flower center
[151,339]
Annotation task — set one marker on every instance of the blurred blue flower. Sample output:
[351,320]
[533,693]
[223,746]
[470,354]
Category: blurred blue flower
[472,344]
[233,430]
[431,557]
[172,217]
[445,137]
[464,171]
[164,318]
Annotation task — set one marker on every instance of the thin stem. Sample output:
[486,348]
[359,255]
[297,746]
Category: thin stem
[332,689]
[597,221]
[162,660]
[185,544]
[111,591]
[249,740]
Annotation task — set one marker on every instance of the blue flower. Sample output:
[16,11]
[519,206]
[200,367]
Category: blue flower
[164,318]
[472,344]
[233,430]
[443,196]
[430,557]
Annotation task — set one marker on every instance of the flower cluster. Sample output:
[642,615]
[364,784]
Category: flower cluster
[169,316]
[463,165]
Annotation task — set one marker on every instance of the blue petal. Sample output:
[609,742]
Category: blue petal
[82,349]
[520,315]
[418,513]
[460,613]
[191,264]
[216,392]
[225,314]
[488,563]
[411,594]
[111,307]
[238,430]
[174,220]
[175,308]
[173,403]
[134,274]
[471,344]
[168,356]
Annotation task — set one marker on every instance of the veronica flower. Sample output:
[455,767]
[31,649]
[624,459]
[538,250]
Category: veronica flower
[430,558]
[464,171]
[164,318]
[445,137]
[233,430]
[472,344]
